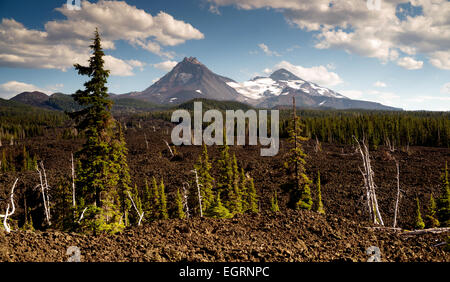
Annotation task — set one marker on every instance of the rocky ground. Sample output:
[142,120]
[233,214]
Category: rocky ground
[293,236]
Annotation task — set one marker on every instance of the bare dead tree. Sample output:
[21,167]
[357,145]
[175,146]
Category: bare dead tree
[185,200]
[170,149]
[141,214]
[199,194]
[398,194]
[82,215]
[146,141]
[426,231]
[8,213]
[317,146]
[44,191]
[73,183]
[390,145]
[11,141]
[369,183]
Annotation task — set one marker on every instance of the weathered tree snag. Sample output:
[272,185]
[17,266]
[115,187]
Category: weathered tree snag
[199,193]
[44,192]
[8,213]
[170,149]
[398,194]
[369,183]
[185,200]
[73,183]
[141,215]
[427,231]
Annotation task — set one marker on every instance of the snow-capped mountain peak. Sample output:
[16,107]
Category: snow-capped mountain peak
[280,82]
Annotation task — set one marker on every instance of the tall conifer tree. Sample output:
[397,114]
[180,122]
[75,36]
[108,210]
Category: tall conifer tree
[98,172]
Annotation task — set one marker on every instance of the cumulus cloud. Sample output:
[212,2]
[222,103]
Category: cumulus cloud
[317,74]
[64,42]
[440,59]
[166,66]
[409,63]
[12,88]
[349,25]
[267,51]
[380,84]
[120,67]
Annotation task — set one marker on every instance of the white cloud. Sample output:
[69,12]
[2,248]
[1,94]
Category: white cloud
[120,67]
[65,42]
[166,66]
[136,64]
[317,74]
[12,88]
[214,9]
[351,26]
[267,71]
[441,59]
[267,51]
[445,89]
[380,84]
[409,63]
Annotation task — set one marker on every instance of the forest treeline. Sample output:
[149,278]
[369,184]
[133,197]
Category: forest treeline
[400,128]
[20,122]
[332,126]
[378,128]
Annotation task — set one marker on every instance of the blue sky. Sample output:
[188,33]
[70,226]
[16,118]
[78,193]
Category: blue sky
[397,54]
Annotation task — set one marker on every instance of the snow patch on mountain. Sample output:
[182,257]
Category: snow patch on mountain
[263,87]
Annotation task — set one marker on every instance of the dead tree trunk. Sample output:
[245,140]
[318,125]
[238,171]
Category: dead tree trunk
[82,215]
[44,191]
[185,200]
[73,183]
[8,213]
[369,183]
[425,231]
[199,193]
[170,149]
[141,215]
[398,194]
[317,146]
[146,141]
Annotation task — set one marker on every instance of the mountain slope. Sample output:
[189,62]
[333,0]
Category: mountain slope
[189,79]
[66,103]
[35,98]
[213,104]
